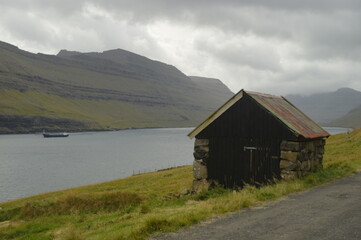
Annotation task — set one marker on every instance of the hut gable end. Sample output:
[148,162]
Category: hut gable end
[247,119]
[240,111]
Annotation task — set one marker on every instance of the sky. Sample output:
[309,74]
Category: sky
[273,46]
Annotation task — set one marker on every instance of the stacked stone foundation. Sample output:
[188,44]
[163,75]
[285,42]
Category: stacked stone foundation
[300,158]
[200,171]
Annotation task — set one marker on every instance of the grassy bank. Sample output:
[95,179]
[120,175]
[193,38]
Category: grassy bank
[33,111]
[141,205]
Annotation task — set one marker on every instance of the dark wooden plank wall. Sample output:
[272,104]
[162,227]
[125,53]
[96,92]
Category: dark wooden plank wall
[245,124]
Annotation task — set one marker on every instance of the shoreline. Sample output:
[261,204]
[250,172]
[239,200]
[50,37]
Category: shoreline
[89,185]
[136,128]
[89,130]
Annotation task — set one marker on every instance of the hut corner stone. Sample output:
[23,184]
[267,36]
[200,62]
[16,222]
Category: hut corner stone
[200,172]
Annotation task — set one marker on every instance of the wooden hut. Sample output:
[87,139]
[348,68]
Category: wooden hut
[254,138]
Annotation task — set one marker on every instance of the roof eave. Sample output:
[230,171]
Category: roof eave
[320,135]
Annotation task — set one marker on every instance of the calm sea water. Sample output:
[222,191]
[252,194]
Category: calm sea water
[31,164]
[336,130]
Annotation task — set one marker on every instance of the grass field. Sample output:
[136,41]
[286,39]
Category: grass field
[95,114]
[139,206]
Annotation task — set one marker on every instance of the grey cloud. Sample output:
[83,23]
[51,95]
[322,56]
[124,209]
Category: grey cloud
[326,29]
[299,41]
[336,36]
[256,57]
[64,7]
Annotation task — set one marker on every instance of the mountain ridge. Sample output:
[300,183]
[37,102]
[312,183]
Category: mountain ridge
[218,89]
[114,89]
[327,107]
[351,120]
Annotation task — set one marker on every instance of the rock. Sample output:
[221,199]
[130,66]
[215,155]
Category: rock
[290,146]
[185,192]
[201,148]
[201,142]
[200,185]
[303,155]
[290,156]
[293,166]
[321,150]
[284,163]
[200,170]
[200,155]
[201,152]
[303,173]
[305,166]
[289,175]
[320,142]
[310,146]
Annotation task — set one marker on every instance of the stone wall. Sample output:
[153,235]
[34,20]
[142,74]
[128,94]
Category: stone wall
[300,158]
[200,171]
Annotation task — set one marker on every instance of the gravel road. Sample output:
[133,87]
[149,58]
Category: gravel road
[327,212]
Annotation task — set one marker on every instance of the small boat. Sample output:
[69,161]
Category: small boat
[47,135]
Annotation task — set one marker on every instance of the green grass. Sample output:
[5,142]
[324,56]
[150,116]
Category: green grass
[96,114]
[153,203]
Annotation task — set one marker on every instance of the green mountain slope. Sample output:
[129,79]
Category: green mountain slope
[327,107]
[214,86]
[351,119]
[82,91]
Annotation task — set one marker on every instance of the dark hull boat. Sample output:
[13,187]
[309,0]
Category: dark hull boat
[47,135]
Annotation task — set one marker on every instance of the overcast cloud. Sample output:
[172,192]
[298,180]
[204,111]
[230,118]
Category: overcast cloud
[278,47]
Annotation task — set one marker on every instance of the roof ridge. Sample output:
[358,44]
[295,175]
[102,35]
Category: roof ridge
[263,94]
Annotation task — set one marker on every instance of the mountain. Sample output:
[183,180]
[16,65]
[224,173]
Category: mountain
[327,107]
[352,119]
[113,89]
[213,86]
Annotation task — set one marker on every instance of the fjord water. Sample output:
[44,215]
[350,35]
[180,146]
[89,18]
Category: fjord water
[336,130]
[31,164]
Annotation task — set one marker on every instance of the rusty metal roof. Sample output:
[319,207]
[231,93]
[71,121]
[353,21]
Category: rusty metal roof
[290,115]
[299,123]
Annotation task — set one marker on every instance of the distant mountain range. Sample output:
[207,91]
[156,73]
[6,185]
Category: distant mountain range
[115,89]
[118,89]
[340,108]
[352,119]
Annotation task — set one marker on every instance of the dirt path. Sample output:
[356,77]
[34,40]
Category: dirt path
[327,212]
